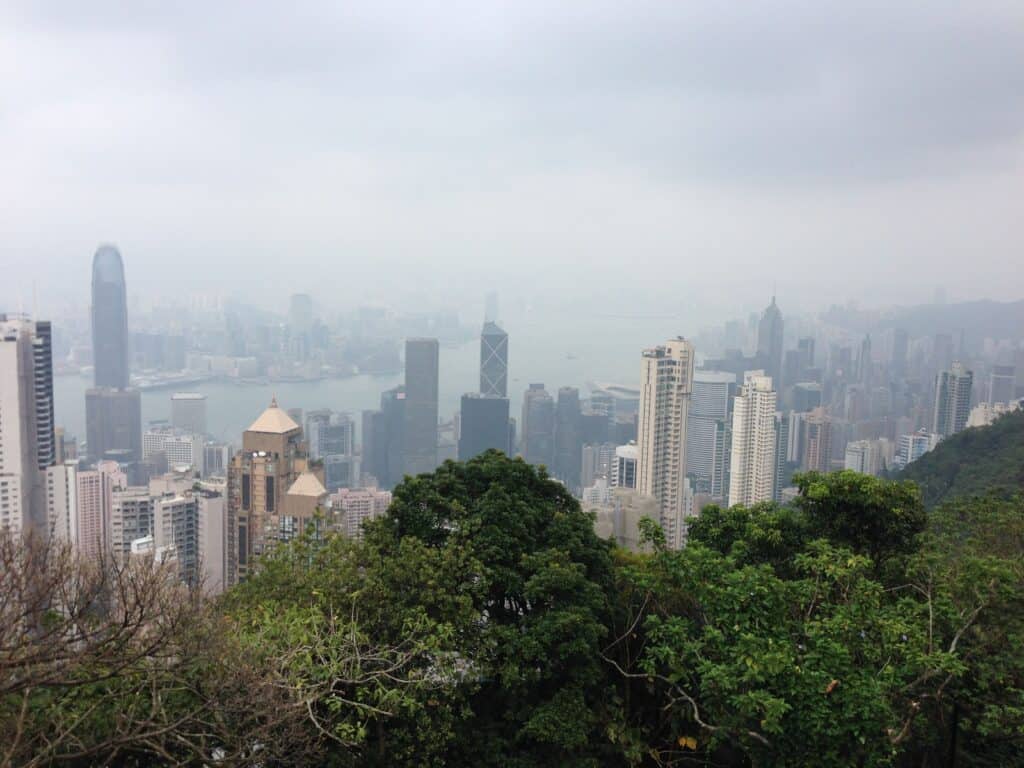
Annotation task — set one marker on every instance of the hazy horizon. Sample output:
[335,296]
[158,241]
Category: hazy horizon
[643,154]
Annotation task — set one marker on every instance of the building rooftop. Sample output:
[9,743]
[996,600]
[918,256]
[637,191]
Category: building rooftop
[307,484]
[274,421]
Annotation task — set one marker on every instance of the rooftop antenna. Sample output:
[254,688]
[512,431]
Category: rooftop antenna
[35,301]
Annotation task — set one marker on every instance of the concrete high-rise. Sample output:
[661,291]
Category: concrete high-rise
[493,361]
[666,386]
[568,445]
[354,506]
[752,465]
[188,412]
[1001,386]
[818,438]
[538,426]
[109,319]
[624,468]
[26,423]
[952,400]
[113,423]
[769,341]
[483,425]
[272,458]
[332,439]
[709,408]
[422,358]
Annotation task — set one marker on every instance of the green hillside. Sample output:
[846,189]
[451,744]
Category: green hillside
[975,461]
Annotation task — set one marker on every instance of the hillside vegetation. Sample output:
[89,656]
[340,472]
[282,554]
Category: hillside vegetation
[483,623]
[977,461]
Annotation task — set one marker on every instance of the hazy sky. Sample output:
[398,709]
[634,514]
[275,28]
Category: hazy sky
[682,151]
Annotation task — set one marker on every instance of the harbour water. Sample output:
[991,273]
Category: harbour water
[536,354]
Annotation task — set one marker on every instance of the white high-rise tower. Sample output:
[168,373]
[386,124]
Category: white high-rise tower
[753,441]
[666,383]
[26,422]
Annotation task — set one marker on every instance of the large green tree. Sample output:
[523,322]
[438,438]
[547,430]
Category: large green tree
[540,595]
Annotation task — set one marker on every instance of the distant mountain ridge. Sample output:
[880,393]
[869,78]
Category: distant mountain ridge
[973,462]
[976,319]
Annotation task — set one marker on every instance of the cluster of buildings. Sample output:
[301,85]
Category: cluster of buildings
[693,430]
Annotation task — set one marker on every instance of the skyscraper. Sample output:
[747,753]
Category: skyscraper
[898,358]
[952,400]
[113,412]
[752,466]
[709,406]
[483,424]
[567,438]
[818,437]
[26,422]
[783,468]
[188,412]
[272,458]
[666,385]
[493,361]
[332,439]
[769,341]
[421,390]
[538,426]
[109,319]
[624,469]
[113,423]
[1001,384]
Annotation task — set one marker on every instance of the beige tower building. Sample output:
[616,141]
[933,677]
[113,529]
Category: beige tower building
[272,458]
[666,383]
[818,442]
[753,441]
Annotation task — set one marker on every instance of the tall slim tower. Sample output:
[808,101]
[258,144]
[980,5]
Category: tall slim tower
[752,467]
[493,361]
[818,442]
[666,384]
[421,389]
[568,446]
[538,427]
[952,400]
[709,408]
[109,319]
[769,341]
[26,422]
[113,413]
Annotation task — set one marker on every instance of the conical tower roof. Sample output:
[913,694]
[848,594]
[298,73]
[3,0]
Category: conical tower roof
[273,420]
[307,484]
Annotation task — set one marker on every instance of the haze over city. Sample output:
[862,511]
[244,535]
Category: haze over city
[683,155]
[549,385]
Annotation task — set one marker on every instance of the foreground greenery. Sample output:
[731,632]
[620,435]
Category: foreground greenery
[981,460]
[482,623]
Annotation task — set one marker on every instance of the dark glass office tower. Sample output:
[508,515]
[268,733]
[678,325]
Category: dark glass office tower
[568,446]
[113,412]
[483,424]
[421,385]
[538,438]
[493,361]
[109,319]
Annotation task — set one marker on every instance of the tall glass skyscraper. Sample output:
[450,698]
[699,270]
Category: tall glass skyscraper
[493,361]
[421,387]
[113,412]
[109,319]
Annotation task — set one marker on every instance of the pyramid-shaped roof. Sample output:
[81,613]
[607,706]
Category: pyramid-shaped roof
[273,420]
[307,484]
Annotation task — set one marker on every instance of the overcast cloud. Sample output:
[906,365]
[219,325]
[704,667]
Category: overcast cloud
[843,150]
